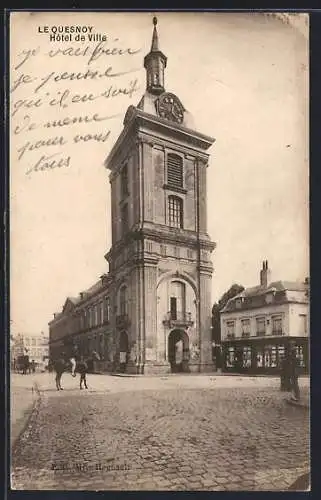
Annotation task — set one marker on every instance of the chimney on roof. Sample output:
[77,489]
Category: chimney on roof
[81,295]
[265,274]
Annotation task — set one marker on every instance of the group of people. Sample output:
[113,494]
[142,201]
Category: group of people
[22,363]
[290,373]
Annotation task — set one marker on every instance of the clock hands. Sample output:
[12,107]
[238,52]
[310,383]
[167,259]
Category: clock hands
[169,108]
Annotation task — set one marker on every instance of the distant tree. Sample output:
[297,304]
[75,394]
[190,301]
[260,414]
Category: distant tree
[216,327]
[234,290]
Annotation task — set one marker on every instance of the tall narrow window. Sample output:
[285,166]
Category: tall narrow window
[173,304]
[177,300]
[100,313]
[174,171]
[123,300]
[230,329]
[277,327]
[106,309]
[303,324]
[245,325]
[124,218]
[124,181]
[260,326]
[175,211]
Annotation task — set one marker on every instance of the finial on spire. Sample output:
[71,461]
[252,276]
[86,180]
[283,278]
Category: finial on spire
[155,43]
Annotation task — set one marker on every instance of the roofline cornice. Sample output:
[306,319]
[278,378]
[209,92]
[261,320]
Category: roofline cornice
[136,118]
[263,306]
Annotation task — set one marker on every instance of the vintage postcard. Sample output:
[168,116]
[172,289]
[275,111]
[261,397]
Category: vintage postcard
[159,251]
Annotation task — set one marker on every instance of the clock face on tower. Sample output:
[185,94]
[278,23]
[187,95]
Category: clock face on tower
[169,107]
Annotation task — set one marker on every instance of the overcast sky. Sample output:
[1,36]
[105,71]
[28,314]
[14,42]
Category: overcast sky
[244,79]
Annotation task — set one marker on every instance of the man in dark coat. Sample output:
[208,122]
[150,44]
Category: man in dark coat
[82,368]
[294,373]
[59,367]
[285,375]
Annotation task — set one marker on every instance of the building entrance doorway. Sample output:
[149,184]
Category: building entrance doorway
[178,351]
[123,351]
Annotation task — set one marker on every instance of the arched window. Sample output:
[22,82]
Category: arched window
[174,171]
[175,211]
[123,300]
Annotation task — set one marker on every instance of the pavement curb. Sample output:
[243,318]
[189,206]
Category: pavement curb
[207,374]
[24,421]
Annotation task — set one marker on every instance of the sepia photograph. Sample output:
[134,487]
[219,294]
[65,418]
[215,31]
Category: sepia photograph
[159,251]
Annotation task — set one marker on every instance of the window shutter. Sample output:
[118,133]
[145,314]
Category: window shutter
[174,170]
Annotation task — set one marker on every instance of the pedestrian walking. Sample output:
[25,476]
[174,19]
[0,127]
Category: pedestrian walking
[294,374]
[285,382]
[82,368]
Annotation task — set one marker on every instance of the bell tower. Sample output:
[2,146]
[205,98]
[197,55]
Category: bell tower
[155,63]
[160,260]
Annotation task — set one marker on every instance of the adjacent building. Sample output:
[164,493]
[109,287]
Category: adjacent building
[34,346]
[259,323]
[86,322]
[153,308]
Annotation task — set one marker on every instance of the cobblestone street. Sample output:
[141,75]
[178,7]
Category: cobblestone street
[168,433]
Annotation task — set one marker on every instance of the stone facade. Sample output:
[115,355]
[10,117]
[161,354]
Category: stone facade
[160,269]
[34,346]
[258,325]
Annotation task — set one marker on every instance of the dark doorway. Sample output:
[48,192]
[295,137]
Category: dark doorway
[178,351]
[123,351]
[123,342]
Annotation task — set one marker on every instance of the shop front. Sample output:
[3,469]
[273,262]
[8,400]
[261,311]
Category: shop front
[262,356]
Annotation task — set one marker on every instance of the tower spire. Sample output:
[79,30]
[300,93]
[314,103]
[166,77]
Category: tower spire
[155,63]
[155,42]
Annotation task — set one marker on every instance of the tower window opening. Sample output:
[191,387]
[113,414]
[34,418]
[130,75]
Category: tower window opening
[174,170]
[124,218]
[123,300]
[124,181]
[175,211]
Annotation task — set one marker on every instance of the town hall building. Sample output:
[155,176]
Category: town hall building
[151,313]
